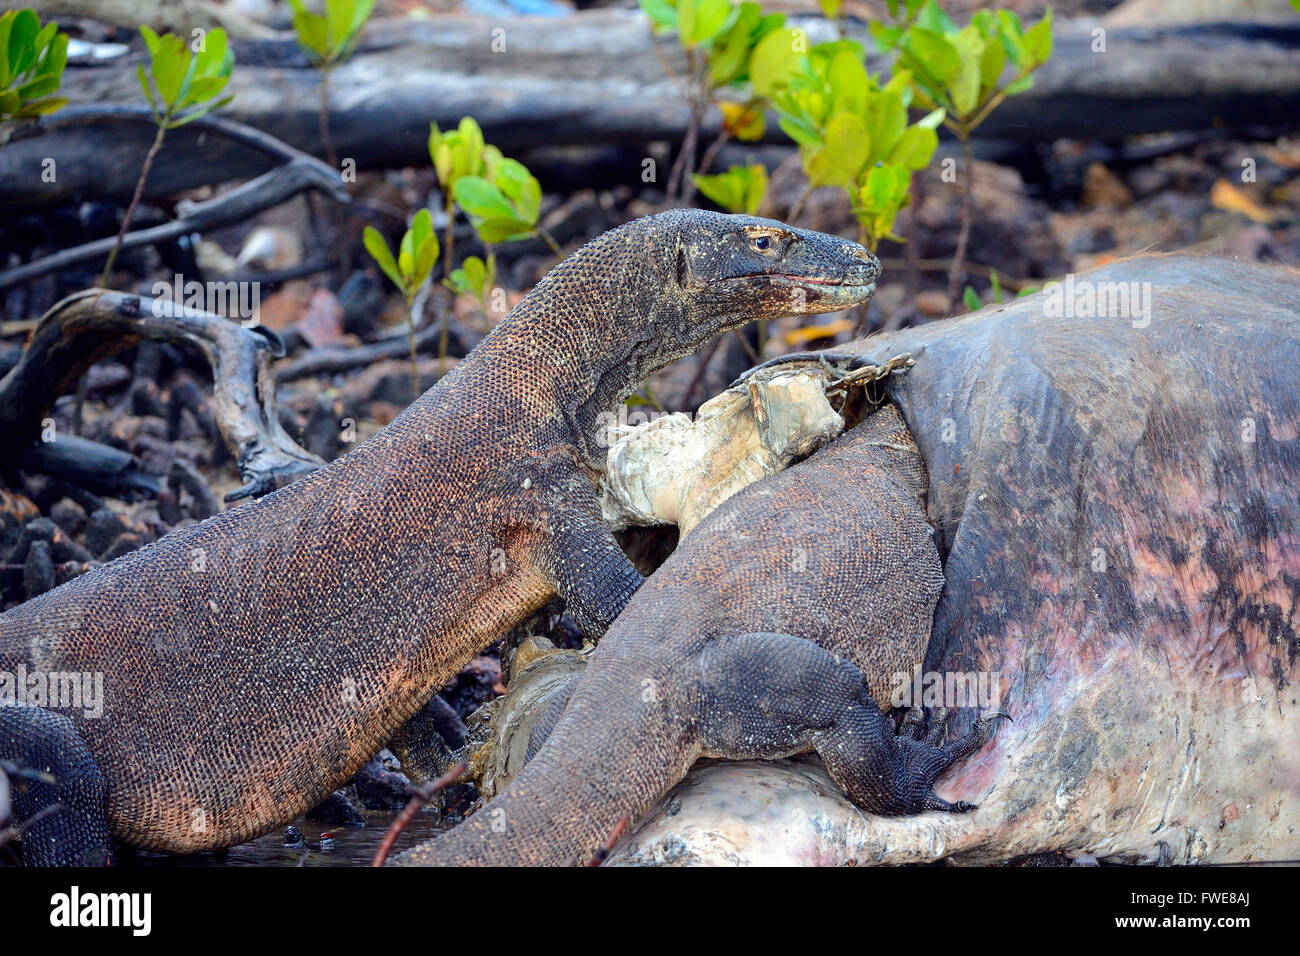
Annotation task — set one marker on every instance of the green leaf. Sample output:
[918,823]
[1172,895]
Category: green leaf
[151,40]
[344,20]
[529,201]
[170,67]
[504,229]
[478,197]
[6,25]
[475,273]
[200,111]
[41,107]
[41,86]
[378,249]
[964,87]
[741,189]
[915,148]
[711,17]
[992,61]
[848,145]
[685,21]
[773,62]
[22,37]
[971,299]
[406,260]
[885,119]
[931,120]
[933,18]
[1012,35]
[312,31]
[848,81]
[148,91]
[1020,85]
[424,242]
[931,55]
[802,133]
[661,13]
[1038,42]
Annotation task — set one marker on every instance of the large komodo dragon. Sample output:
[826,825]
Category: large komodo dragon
[252,663]
[776,626]
[1114,479]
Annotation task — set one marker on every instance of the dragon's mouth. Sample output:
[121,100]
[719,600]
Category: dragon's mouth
[817,280]
[835,292]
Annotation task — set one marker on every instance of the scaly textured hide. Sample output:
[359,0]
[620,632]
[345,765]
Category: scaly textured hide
[254,662]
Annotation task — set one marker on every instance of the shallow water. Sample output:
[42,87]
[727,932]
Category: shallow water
[353,846]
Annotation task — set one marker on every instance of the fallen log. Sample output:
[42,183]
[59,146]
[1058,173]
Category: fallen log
[596,78]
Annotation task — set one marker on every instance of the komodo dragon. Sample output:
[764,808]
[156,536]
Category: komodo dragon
[254,662]
[775,627]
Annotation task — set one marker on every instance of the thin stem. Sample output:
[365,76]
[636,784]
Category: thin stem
[679,176]
[710,154]
[963,235]
[448,300]
[797,209]
[550,241]
[410,337]
[135,198]
[864,310]
[327,141]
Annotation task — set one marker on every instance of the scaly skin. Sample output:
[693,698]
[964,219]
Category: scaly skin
[775,627]
[256,661]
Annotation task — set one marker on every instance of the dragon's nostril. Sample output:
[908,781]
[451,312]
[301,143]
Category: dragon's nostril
[866,263]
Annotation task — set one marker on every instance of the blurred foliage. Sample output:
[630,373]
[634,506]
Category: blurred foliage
[330,38]
[416,256]
[183,82]
[475,278]
[964,71]
[739,189]
[32,58]
[502,199]
[853,132]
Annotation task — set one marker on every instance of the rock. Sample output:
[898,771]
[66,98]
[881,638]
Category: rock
[336,811]
[69,516]
[380,789]
[1102,188]
[38,570]
[102,530]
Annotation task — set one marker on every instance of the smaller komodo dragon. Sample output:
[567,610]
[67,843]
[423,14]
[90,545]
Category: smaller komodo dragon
[774,628]
[254,662]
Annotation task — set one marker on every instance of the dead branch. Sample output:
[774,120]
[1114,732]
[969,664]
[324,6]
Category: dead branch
[422,795]
[602,854]
[89,326]
[298,172]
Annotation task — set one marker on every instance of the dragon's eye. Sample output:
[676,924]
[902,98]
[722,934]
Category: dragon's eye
[763,243]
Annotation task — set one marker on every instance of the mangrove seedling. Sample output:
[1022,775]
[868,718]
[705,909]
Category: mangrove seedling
[416,257]
[32,58]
